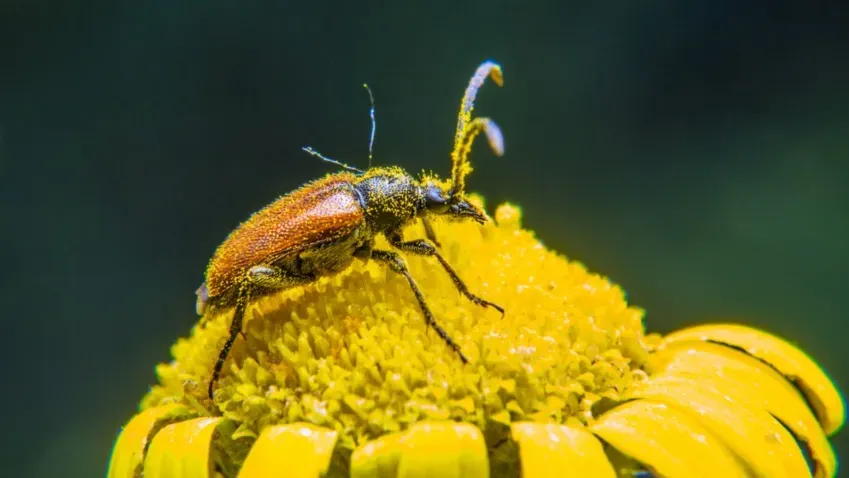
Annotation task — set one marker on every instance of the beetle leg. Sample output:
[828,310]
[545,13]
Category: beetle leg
[429,232]
[235,329]
[424,248]
[363,252]
[396,263]
[272,277]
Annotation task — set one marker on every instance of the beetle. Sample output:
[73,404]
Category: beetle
[319,229]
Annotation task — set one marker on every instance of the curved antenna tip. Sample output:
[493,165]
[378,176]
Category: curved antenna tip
[495,72]
[494,136]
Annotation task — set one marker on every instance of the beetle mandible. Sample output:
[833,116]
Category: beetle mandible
[319,229]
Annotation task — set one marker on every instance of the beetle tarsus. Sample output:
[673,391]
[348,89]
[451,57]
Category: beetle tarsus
[394,261]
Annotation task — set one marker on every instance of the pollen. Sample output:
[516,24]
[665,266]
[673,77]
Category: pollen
[343,378]
[352,352]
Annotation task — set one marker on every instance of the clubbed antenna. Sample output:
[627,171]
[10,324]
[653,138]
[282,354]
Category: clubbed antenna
[373,124]
[486,69]
[468,129]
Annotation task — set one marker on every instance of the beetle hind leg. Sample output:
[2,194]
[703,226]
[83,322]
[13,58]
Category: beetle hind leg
[272,277]
[235,330]
[396,263]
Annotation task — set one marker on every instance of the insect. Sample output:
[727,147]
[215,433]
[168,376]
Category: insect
[319,229]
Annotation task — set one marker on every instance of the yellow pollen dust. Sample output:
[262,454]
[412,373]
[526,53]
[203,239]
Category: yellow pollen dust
[352,352]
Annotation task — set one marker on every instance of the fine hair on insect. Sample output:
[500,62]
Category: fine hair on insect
[319,229]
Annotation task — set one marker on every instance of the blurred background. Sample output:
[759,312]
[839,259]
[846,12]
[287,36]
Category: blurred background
[697,153]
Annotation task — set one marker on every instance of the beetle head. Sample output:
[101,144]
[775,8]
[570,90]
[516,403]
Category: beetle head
[439,201]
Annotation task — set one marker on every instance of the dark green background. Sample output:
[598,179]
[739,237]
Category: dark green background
[695,152]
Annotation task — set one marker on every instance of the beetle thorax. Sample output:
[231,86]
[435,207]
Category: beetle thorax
[391,198]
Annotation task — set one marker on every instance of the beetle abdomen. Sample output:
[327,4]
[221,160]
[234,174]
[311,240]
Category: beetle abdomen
[202,299]
[319,212]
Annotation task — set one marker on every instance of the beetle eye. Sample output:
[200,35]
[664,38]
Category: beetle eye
[435,201]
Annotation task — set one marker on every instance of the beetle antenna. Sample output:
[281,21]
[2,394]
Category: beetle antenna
[318,155]
[373,123]
[468,129]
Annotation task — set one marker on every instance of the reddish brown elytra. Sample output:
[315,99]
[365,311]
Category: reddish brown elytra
[319,229]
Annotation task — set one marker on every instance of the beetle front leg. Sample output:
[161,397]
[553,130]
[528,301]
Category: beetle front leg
[396,263]
[424,248]
[272,277]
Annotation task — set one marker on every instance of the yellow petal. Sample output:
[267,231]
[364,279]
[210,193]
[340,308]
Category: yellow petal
[299,450]
[128,453]
[666,440]
[555,451]
[378,458]
[757,438]
[737,373]
[443,449]
[181,450]
[791,362]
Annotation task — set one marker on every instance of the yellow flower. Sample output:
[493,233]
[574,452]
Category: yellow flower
[342,378]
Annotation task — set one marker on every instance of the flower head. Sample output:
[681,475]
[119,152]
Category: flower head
[343,377]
